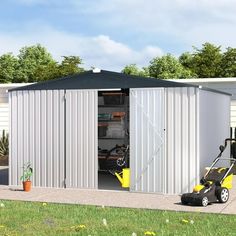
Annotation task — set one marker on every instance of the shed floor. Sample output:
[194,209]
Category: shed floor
[108,181]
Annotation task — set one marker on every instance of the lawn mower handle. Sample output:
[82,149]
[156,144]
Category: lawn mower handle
[222,148]
[229,140]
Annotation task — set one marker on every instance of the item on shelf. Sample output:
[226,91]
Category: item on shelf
[118,115]
[104,116]
[115,133]
[114,98]
[102,129]
[116,130]
[117,124]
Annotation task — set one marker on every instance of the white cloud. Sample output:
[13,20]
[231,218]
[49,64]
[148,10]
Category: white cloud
[100,51]
[186,21]
[169,23]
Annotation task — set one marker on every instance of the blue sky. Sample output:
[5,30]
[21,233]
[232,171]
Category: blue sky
[112,34]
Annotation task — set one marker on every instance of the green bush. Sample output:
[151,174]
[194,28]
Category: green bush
[4,145]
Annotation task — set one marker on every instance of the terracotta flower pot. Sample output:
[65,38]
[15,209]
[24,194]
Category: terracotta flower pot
[27,185]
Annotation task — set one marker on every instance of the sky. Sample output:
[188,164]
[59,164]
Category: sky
[111,34]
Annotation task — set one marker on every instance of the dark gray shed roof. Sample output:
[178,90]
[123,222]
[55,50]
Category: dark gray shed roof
[101,80]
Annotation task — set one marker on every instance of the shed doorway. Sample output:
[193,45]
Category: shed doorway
[113,137]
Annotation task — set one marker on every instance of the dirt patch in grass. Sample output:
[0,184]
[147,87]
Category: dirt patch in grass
[3,161]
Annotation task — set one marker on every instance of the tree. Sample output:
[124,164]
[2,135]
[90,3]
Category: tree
[8,65]
[31,60]
[228,63]
[168,67]
[47,72]
[186,60]
[206,62]
[35,63]
[70,65]
[132,69]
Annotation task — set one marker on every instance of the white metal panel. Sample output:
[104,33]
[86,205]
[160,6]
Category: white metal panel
[37,135]
[214,125]
[182,155]
[81,139]
[227,85]
[233,113]
[147,159]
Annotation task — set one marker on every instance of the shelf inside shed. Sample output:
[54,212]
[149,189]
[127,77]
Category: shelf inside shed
[113,125]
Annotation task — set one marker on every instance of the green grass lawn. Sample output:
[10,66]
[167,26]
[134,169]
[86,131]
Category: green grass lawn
[32,218]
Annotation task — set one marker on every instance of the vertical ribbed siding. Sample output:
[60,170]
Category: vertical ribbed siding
[81,139]
[37,136]
[182,144]
[147,134]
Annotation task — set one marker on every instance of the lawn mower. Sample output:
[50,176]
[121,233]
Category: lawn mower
[215,185]
[114,160]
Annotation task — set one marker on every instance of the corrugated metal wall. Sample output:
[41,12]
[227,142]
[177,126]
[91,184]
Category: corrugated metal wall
[182,139]
[37,135]
[81,138]
[147,159]
[227,85]
[164,141]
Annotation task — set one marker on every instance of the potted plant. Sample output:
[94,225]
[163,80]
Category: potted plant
[27,173]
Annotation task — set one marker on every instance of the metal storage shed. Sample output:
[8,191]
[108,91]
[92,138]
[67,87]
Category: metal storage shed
[173,128]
